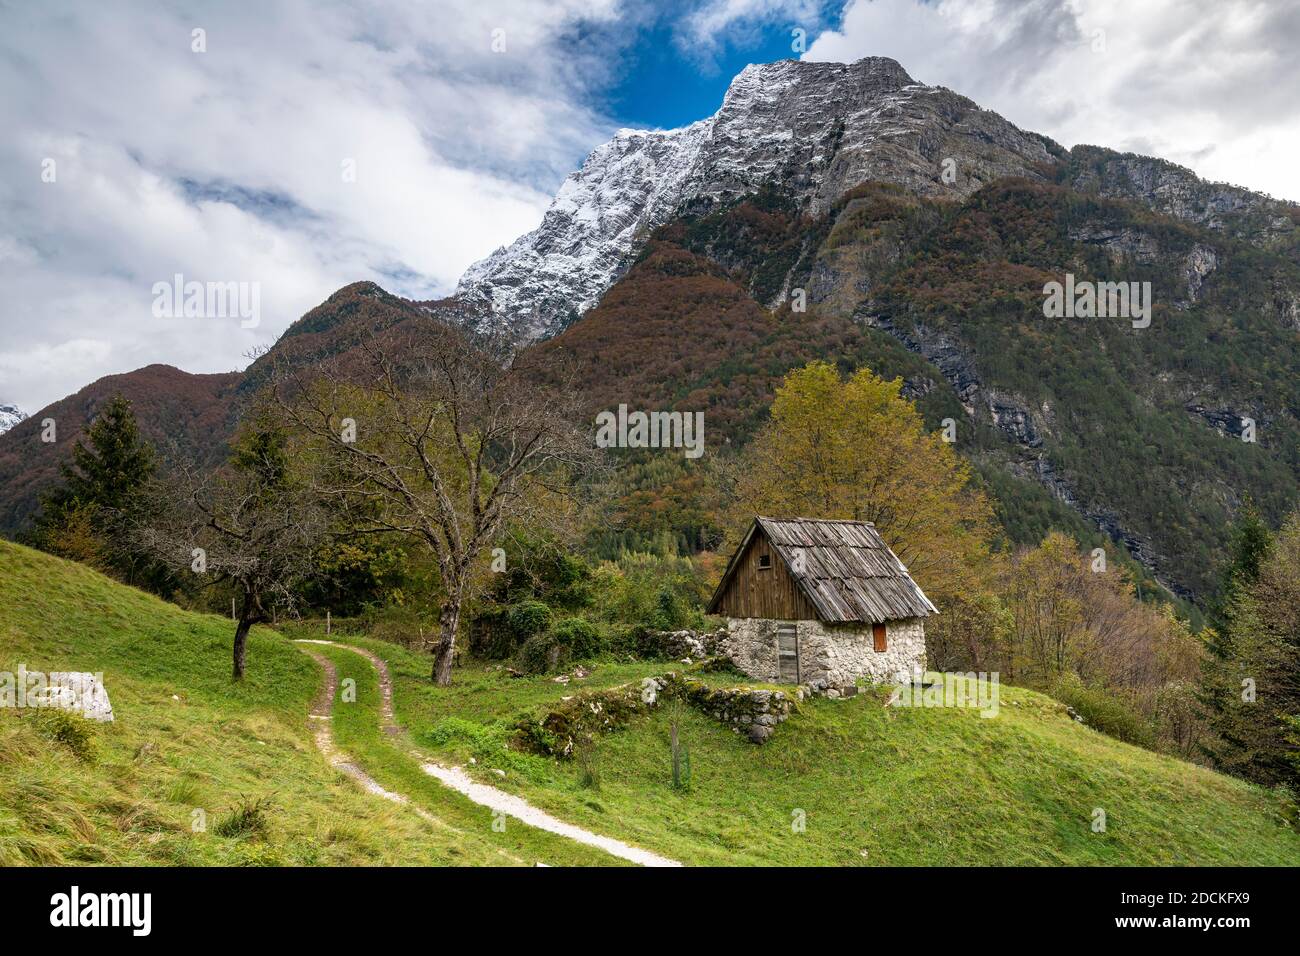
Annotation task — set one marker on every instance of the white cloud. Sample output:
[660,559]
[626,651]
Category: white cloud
[227,165]
[714,19]
[713,24]
[1209,84]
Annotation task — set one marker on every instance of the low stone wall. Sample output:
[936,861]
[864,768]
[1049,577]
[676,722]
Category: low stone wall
[830,656]
[694,645]
[752,712]
[749,711]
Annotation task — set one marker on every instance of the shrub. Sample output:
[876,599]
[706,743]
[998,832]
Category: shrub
[62,727]
[541,654]
[248,817]
[499,630]
[652,591]
[528,618]
[583,639]
[1105,711]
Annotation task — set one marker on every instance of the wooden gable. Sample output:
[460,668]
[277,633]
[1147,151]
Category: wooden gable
[761,588]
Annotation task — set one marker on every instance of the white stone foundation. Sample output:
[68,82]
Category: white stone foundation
[835,655]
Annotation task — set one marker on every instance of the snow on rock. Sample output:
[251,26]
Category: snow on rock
[595,224]
[812,130]
[10,415]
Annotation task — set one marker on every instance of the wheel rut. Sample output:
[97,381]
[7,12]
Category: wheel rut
[499,801]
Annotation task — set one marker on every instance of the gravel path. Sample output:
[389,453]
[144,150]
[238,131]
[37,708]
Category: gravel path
[522,810]
[453,777]
[322,713]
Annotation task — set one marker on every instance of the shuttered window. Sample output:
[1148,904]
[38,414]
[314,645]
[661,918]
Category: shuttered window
[878,632]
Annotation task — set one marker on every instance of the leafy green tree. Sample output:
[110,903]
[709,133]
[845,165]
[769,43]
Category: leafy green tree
[356,576]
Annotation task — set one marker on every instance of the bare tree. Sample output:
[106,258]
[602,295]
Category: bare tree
[442,436]
[248,525]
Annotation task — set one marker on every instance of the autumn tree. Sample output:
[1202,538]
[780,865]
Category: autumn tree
[437,435]
[1077,613]
[1079,632]
[856,449]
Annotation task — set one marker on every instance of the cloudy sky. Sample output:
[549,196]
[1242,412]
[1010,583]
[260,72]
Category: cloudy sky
[302,146]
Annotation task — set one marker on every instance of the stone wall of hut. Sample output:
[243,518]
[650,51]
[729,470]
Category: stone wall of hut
[830,655]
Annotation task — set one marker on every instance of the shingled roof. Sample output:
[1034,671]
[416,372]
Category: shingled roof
[849,573]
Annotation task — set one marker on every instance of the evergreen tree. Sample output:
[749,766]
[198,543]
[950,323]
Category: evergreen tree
[111,471]
[1250,682]
[85,517]
[1251,542]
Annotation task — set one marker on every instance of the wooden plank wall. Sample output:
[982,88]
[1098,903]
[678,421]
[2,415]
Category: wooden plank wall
[765,593]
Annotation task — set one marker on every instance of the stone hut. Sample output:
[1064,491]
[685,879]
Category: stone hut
[824,603]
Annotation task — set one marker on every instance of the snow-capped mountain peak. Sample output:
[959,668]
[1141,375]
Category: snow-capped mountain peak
[813,130]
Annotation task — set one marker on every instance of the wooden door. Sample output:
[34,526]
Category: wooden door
[878,632]
[787,654]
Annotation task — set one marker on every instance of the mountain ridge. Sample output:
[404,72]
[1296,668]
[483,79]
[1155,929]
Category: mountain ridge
[819,128]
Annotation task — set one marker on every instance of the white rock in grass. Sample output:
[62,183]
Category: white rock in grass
[76,691]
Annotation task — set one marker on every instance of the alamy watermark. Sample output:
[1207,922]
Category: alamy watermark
[74,908]
[975,690]
[624,429]
[64,690]
[1100,300]
[208,300]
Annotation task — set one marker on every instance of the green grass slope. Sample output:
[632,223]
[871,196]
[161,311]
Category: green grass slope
[871,785]
[186,738]
[875,785]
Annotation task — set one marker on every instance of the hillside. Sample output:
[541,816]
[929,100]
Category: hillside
[1131,434]
[877,785]
[186,739]
[190,417]
[182,414]
[1137,429]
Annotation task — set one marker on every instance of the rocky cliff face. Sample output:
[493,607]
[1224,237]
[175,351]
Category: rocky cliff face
[812,130]
[1177,191]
